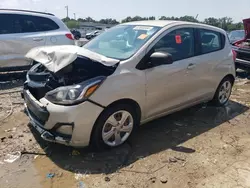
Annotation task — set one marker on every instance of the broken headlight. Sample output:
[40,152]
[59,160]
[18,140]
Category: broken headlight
[68,95]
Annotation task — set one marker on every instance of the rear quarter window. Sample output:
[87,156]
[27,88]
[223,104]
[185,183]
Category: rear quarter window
[211,41]
[45,24]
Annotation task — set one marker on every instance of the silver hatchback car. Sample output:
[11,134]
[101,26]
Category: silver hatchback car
[129,75]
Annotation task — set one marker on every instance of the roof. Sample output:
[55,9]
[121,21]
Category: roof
[23,11]
[157,23]
[163,23]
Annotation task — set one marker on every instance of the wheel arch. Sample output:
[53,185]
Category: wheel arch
[126,101]
[230,76]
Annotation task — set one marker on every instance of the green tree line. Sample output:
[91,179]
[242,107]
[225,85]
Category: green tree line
[225,23]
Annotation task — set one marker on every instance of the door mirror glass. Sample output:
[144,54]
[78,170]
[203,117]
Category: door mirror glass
[160,58]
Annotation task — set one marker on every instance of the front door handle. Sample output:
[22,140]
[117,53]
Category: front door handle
[191,66]
[37,39]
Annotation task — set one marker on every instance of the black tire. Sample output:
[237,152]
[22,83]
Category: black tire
[97,142]
[216,100]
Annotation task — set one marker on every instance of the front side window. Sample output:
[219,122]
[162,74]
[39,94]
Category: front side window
[179,43]
[122,41]
[210,41]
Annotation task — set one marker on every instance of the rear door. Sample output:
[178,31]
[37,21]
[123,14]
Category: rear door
[210,63]
[18,35]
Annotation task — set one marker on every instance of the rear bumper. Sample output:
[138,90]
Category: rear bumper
[68,125]
[243,57]
[241,63]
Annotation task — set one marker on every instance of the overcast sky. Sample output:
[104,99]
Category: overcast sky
[120,9]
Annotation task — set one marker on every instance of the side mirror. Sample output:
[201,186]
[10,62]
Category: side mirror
[160,58]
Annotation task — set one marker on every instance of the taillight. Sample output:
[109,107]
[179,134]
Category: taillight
[234,55]
[69,36]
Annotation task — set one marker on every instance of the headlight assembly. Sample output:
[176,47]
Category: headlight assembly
[69,95]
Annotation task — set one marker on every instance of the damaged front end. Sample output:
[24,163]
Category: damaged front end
[71,84]
[68,70]
[53,90]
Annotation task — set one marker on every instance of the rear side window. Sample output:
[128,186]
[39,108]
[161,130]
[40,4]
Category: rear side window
[211,41]
[15,23]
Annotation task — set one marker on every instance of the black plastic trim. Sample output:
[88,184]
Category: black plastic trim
[58,125]
[41,114]
[96,103]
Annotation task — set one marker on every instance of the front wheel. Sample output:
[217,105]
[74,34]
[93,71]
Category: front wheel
[223,92]
[114,127]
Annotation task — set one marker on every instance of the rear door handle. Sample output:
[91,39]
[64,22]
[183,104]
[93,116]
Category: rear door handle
[191,66]
[37,39]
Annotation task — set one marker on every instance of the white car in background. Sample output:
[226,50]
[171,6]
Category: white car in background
[22,30]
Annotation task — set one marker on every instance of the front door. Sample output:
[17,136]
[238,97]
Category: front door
[172,86]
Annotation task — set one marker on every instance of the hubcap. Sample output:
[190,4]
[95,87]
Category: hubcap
[225,91]
[117,128]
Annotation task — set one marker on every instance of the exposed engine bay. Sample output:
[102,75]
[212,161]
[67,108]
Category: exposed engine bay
[40,80]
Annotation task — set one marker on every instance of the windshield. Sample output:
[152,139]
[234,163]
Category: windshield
[236,35]
[122,41]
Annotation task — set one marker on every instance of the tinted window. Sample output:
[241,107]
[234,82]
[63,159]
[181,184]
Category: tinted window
[7,27]
[179,43]
[210,41]
[15,23]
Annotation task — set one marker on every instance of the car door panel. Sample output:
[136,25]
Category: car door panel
[166,87]
[172,86]
[15,46]
[16,40]
[207,63]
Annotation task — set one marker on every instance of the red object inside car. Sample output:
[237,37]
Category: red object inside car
[234,55]
[246,23]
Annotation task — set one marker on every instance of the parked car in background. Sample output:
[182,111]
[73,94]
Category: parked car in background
[77,34]
[131,74]
[236,35]
[91,35]
[242,48]
[21,30]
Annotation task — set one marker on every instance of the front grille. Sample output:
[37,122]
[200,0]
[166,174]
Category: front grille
[37,112]
[40,121]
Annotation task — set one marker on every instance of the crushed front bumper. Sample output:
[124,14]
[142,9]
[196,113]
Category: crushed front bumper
[45,134]
[68,125]
[38,115]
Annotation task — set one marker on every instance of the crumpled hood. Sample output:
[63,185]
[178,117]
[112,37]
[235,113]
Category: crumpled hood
[246,23]
[54,58]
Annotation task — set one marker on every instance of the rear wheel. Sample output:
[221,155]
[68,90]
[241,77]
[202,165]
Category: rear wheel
[114,127]
[223,92]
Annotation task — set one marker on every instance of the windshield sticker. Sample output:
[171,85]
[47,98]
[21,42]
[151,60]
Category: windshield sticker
[143,36]
[145,28]
[178,39]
